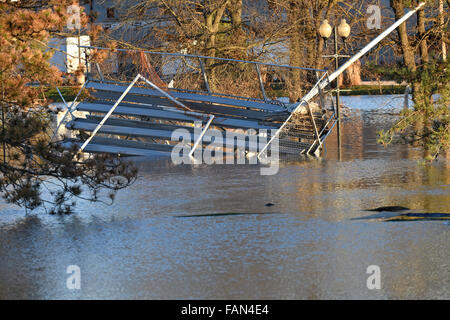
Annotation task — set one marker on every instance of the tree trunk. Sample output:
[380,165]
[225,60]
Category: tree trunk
[423,40]
[295,56]
[407,50]
[353,75]
[441,22]
[236,13]
[238,37]
[212,23]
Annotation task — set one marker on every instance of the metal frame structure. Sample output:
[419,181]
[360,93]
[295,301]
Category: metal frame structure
[135,80]
[70,109]
[220,107]
[200,58]
[277,134]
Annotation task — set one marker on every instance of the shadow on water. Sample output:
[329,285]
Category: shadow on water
[393,214]
[312,245]
[228,214]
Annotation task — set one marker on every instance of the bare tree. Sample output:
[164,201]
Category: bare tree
[428,124]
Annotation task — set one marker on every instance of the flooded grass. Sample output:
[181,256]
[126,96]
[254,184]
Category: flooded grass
[420,217]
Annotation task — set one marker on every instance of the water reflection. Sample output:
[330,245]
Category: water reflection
[306,248]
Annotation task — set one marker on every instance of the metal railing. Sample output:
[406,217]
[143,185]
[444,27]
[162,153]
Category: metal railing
[135,80]
[252,80]
[289,120]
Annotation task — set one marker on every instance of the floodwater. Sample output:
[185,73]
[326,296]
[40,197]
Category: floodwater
[306,246]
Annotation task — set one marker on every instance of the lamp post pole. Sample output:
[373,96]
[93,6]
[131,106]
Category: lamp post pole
[343,30]
[338,91]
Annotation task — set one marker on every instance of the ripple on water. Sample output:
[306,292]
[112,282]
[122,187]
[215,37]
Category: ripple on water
[306,246]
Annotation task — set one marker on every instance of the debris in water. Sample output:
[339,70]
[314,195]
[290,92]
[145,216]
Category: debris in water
[390,209]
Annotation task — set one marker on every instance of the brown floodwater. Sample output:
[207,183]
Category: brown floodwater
[151,245]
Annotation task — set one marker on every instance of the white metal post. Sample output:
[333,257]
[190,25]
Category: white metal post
[201,135]
[109,113]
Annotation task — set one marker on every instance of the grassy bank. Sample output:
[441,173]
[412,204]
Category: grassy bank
[363,90]
[374,90]
[69,94]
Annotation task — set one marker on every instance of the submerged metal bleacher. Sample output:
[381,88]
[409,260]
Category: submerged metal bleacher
[172,91]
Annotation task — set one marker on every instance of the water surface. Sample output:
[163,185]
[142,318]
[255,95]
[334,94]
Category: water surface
[305,247]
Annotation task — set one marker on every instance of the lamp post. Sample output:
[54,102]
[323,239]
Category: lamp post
[343,30]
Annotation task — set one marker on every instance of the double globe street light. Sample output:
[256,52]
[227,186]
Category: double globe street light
[343,31]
